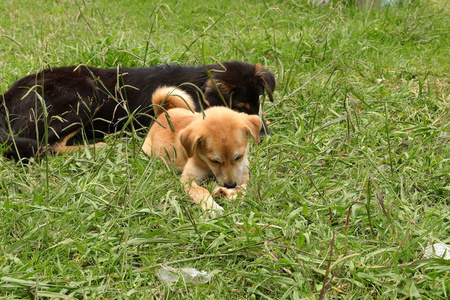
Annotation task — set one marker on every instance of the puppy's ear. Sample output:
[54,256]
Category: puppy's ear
[253,126]
[189,139]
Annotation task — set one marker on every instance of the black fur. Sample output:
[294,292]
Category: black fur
[101,101]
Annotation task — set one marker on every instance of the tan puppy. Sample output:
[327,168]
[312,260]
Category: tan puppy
[213,143]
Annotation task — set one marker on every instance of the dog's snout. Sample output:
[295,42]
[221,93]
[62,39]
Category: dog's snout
[230,185]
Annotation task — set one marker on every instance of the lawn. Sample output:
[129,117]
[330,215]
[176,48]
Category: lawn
[345,194]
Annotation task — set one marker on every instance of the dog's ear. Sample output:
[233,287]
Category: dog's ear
[253,126]
[189,139]
[267,79]
[217,92]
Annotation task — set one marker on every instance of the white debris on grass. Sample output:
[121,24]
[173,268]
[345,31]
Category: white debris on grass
[190,275]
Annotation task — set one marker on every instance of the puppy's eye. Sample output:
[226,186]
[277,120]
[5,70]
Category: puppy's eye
[214,161]
[238,157]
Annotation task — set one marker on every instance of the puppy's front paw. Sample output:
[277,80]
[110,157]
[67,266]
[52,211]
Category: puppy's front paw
[231,194]
[223,191]
[211,207]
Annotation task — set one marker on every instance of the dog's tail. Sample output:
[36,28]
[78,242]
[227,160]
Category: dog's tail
[167,97]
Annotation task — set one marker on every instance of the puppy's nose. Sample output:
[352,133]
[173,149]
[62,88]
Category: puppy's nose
[229,185]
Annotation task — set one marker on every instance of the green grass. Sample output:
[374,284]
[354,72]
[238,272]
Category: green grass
[354,178]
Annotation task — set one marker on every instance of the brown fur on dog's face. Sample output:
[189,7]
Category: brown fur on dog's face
[219,142]
[240,87]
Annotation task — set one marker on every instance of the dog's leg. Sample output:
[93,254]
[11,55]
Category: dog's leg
[71,149]
[200,195]
[61,145]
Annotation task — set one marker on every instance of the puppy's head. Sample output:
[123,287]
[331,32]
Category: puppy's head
[239,85]
[220,142]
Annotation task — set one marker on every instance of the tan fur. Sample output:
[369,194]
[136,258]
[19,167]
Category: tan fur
[61,145]
[222,86]
[166,97]
[214,145]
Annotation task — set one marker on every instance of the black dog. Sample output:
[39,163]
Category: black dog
[63,101]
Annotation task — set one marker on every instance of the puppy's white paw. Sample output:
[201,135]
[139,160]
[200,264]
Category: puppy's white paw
[225,192]
[212,208]
[231,194]
[232,197]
